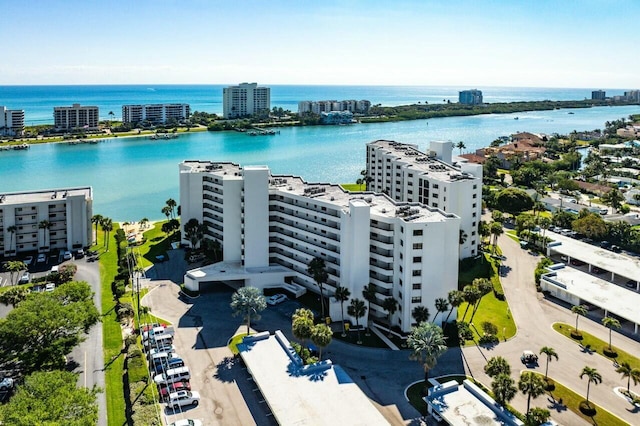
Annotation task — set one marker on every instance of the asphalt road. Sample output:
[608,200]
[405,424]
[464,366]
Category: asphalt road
[534,316]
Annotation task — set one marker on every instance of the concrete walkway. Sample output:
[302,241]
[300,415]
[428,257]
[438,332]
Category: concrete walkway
[534,316]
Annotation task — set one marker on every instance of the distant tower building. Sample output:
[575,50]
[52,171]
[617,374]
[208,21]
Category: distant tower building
[11,122]
[75,117]
[600,95]
[632,95]
[470,97]
[245,99]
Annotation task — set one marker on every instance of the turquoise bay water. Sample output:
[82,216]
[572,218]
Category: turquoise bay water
[132,177]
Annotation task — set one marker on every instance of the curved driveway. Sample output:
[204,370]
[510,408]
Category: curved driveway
[534,316]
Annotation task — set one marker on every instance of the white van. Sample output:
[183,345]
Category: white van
[174,375]
[159,340]
[54,269]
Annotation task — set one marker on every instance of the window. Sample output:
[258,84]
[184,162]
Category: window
[475,195]
[475,186]
[417,259]
[474,205]
[400,268]
[417,286]
[417,232]
[434,186]
[416,272]
[434,195]
[417,246]
[434,205]
[474,214]
[416,299]
[400,256]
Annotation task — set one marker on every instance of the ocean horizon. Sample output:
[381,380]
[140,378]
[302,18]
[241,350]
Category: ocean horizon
[38,101]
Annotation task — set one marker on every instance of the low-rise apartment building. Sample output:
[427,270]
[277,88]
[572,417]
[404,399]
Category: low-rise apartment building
[318,107]
[11,122]
[76,117]
[407,174]
[155,113]
[271,227]
[41,221]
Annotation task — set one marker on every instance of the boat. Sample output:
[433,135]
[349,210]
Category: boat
[20,147]
[516,118]
[569,113]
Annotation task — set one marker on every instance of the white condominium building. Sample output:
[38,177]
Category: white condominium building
[11,122]
[407,174]
[155,113]
[318,107]
[245,99]
[271,227]
[45,220]
[76,117]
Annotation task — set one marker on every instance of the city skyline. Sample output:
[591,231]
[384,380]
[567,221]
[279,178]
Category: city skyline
[524,44]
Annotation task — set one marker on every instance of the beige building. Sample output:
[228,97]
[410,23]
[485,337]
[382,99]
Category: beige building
[42,221]
[245,99]
[76,117]
[155,113]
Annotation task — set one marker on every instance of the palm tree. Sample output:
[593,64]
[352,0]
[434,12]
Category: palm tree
[15,266]
[301,324]
[369,294]
[550,353]
[320,275]
[97,220]
[248,302]
[455,298]
[630,373]
[342,294]
[107,227]
[166,210]
[111,115]
[171,203]
[441,306]
[390,304]
[14,296]
[427,344]
[579,310]
[497,365]
[496,231]
[321,336]
[12,230]
[144,222]
[504,388]
[357,309]
[471,295]
[460,145]
[45,225]
[420,314]
[532,385]
[484,287]
[610,323]
[593,377]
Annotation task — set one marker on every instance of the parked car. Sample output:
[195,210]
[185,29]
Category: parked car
[182,398]
[41,258]
[576,262]
[67,255]
[154,351]
[631,284]
[49,287]
[597,271]
[605,245]
[172,388]
[28,260]
[616,249]
[79,254]
[529,358]
[276,299]
[152,332]
[168,364]
[179,374]
[187,422]
[6,383]
[24,279]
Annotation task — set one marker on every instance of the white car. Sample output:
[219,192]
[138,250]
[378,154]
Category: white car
[67,255]
[41,258]
[5,383]
[182,398]
[276,299]
[49,287]
[187,422]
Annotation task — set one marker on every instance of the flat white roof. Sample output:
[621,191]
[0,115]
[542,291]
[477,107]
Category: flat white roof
[596,291]
[620,264]
[322,397]
[45,195]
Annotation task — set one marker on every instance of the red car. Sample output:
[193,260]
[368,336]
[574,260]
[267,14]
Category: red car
[171,388]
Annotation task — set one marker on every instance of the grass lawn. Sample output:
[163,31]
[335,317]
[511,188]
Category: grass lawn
[9,287]
[513,235]
[156,244]
[354,187]
[572,400]
[597,345]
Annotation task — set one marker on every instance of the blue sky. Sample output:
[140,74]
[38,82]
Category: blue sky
[563,43]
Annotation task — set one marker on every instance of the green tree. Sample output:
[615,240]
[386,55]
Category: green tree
[579,310]
[420,314]
[248,302]
[484,287]
[538,416]
[532,385]
[427,343]
[357,309]
[613,198]
[630,373]
[107,227]
[460,145]
[590,225]
[442,305]
[96,219]
[513,201]
[318,272]
[51,398]
[497,365]
[301,324]
[504,388]
[166,210]
[342,294]
[14,295]
[455,298]
[471,296]
[611,323]
[45,225]
[194,232]
[321,336]
[171,203]
[592,377]
[390,304]
[14,266]
[369,294]
[550,353]
[496,230]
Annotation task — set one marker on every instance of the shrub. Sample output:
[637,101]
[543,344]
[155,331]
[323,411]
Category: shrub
[124,311]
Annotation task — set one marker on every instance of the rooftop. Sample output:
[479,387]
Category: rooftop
[320,394]
[46,195]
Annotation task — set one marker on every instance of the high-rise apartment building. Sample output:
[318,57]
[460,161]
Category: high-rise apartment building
[76,117]
[600,95]
[271,227]
[245,99]
[470,97]
[11,122]
[41,221]
[155,113]
[406,174]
